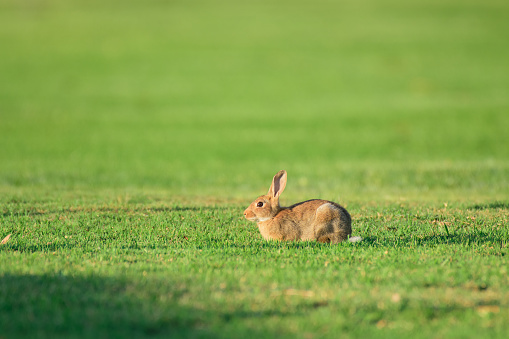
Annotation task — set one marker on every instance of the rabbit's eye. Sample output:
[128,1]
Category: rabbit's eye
[259,204]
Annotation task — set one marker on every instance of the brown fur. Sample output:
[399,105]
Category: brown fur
[320,220]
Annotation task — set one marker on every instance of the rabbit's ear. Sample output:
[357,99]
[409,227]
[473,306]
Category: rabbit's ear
[278,184]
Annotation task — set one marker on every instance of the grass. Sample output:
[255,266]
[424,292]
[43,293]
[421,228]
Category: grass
[137,269]
[133,136]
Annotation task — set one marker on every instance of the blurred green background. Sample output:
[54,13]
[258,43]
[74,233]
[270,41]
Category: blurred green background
[356,99]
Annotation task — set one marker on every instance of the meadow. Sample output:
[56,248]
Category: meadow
[134,134]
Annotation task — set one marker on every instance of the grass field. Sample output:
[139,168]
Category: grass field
[133,134]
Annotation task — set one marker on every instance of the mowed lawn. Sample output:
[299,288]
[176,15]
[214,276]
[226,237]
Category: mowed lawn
[134,134]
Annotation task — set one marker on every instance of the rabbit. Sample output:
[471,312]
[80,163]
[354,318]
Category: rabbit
[320,220]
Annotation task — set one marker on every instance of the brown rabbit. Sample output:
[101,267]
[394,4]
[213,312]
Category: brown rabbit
[320,220]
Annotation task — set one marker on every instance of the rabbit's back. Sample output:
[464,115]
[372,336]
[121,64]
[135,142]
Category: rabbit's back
[320,220]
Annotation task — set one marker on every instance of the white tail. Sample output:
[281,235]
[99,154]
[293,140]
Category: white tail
[354,239]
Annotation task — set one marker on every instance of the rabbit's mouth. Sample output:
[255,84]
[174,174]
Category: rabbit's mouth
[252,217]
[257,219]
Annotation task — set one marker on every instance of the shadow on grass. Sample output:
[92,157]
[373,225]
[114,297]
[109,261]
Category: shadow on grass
[478,238]
[22,248]
[64,306]
[467,239]
[386,240]
[492,205]
[35,211]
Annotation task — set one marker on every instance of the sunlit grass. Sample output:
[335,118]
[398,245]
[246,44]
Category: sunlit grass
[133,135]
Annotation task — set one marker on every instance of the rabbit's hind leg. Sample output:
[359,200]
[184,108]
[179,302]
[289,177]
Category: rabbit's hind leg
[324,239]
[332,238]
[337,237]
[323,224]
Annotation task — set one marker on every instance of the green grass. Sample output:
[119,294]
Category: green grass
[142,269]
[133,135]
